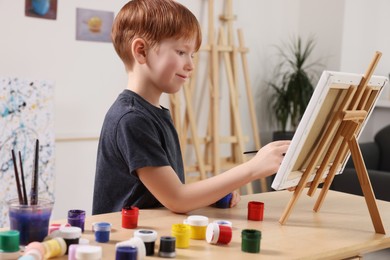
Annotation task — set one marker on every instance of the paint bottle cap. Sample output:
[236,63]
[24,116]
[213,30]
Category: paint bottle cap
[212,233]
[255,210]
[88,252]
[9,241]
[83,241]
[167,246]
[147,235]
[35,248]
[70,232]
[126,252]
[102,226]
[197,220]
[34,254]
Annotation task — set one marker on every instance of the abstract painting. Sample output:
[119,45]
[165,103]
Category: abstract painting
[26,114]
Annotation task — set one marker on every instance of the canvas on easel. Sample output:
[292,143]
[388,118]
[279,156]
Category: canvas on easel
[327,135]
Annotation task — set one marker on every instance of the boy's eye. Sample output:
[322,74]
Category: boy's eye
[181,52]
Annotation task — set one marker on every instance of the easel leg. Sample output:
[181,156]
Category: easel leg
[366,186]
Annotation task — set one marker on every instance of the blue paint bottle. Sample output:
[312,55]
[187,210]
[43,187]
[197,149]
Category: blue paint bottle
[102,231]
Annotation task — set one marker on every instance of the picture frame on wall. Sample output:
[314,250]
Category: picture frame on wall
[45,9]
[93,25]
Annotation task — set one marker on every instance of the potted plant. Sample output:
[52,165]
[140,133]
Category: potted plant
[292,86]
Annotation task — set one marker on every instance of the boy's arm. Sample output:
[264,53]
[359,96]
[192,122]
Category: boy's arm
[164,184]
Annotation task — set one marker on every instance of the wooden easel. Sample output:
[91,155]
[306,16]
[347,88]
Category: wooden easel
[225,50]
[341,136]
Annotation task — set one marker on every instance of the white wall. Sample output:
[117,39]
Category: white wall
[89,75]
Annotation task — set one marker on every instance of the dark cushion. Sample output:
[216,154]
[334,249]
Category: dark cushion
[382,138]
[370,153]
[348,182]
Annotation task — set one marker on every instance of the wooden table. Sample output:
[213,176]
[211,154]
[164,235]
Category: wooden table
[342,229]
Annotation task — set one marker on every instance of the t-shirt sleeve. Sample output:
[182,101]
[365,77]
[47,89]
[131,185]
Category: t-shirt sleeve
[140,142]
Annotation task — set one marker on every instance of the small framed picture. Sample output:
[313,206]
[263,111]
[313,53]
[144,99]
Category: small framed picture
[46,9]
[93,25]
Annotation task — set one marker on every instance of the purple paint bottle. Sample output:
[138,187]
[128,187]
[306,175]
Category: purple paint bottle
[76,218]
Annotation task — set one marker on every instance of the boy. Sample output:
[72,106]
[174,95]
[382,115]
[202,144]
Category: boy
[139,160]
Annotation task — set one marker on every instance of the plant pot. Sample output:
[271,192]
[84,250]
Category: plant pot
[283,135]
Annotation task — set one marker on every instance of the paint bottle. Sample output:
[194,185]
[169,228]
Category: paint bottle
[130,217]
[9,244]
[182,233]
[72,248]
[218,234]
[149,237]
[88,252]
[102,231]
[198,225]
[250,240]
[167,247]
[56,226]
[224,202]
[76,218]
[51,248]
[71,235]
[255,210]
[34,250]
[126,253]
[136,242]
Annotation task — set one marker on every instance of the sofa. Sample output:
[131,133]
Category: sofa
[376,155]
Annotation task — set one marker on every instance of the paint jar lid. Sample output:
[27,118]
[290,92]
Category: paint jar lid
[125,252]
[35,248]
[34,253]
[147,235]
[88,252]
[102,226]
[223,222]
[197,220]
[70,232]
[212,233]
[9,241]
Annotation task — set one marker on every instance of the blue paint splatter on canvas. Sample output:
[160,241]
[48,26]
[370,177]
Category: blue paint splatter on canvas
[26,114]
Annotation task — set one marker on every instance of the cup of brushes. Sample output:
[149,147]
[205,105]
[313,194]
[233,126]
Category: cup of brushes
[30,216]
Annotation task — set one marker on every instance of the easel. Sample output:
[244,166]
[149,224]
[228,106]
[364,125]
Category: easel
[228,52]
[341,135]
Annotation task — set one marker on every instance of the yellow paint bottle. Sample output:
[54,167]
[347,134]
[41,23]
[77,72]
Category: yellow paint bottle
[182,234]
[198,225]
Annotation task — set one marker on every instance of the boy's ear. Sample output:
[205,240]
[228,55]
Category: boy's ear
[138,47]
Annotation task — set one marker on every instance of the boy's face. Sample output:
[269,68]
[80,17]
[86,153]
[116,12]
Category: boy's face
[171,63]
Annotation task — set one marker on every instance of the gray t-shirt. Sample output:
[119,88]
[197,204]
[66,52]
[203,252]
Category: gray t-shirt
[135,134]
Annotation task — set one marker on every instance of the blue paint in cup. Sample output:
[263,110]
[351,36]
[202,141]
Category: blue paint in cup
[102,231]
[32,221]
[126,253]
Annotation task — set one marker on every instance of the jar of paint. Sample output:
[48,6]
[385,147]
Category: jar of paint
[224,202]
[56,226]
[198,225]
[149,237]
[167,247]
[126,253]
[218,234]
[71,235]
[255,210]
[182,234]
[54,247]
[223,222]
[9,244]
[138,243]
[76,218]
[130,217]
[88,252]
[250,240]
[102,231]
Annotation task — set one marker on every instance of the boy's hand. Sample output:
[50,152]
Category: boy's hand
[235,199]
